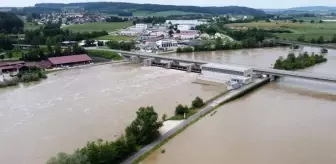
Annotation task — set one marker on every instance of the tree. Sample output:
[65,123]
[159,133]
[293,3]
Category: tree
[218,43]
[58,50]
[312,21]
[301,21]
[279,63]
[301,38]
[171,32]
[9,54]
[294,20]
[320,40]
[29,18]
[76,158]
[197,103]
[333,40]
[2,57]
[164,117]
[321,21]
[145,128]
[100,43]
[15,30]
[181,110]
[89,43]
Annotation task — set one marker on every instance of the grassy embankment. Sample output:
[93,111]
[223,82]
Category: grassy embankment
[309,30]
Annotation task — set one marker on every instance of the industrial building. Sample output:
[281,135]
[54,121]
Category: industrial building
[224,73]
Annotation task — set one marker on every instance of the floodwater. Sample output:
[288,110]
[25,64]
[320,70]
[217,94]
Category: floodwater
[290,121]
[74,106]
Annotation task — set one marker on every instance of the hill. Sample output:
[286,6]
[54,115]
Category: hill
[111,7]
[314,8]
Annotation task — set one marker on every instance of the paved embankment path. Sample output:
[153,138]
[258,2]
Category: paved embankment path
[194,117]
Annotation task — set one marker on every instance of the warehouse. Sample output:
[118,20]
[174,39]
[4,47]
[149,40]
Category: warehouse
[223,73]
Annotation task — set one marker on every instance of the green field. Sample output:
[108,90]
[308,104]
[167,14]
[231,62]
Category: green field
[31,26]
[115,38]
[309,30]
[109,27]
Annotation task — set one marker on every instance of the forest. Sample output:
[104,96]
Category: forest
[10,23]
[120,6]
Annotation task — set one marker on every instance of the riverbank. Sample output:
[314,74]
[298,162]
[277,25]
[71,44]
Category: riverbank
[145,151]
[87,65]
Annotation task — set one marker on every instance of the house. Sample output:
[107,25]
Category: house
[187,34]
[69,60]
[185,22]
[184,27]
[141,26]
[167,44]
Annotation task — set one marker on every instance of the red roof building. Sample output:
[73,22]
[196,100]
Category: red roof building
[70,60]
[11,66]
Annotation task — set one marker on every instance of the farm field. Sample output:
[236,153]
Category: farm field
[309,30]
[31,26]
[115,37]
[89,27]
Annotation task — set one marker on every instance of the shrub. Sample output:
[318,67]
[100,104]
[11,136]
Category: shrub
[180,109]
[197,103]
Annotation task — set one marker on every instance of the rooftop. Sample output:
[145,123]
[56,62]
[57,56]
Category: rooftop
[226,67]
[69,59]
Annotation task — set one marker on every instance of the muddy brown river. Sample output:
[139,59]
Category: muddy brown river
[74,106]
[290,121]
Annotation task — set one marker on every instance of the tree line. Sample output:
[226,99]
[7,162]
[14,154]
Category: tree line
[123,45]
[291,62]
[319,40]
[142,131]
[43,53]
[116,19]
[228,45]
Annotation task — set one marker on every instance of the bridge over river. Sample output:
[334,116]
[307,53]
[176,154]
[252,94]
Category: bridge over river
[289,42]
[195,66]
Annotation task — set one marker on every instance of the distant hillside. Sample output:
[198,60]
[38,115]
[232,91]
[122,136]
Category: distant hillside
[314,8]
[133,7]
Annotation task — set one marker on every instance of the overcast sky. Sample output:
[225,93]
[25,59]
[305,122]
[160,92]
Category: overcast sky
[271,4]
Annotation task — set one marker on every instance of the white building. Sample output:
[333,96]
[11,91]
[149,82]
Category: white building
[185,22]
[184,27]
[167,44]
[224,73]
[141,26]
[187,34]
[130,32]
